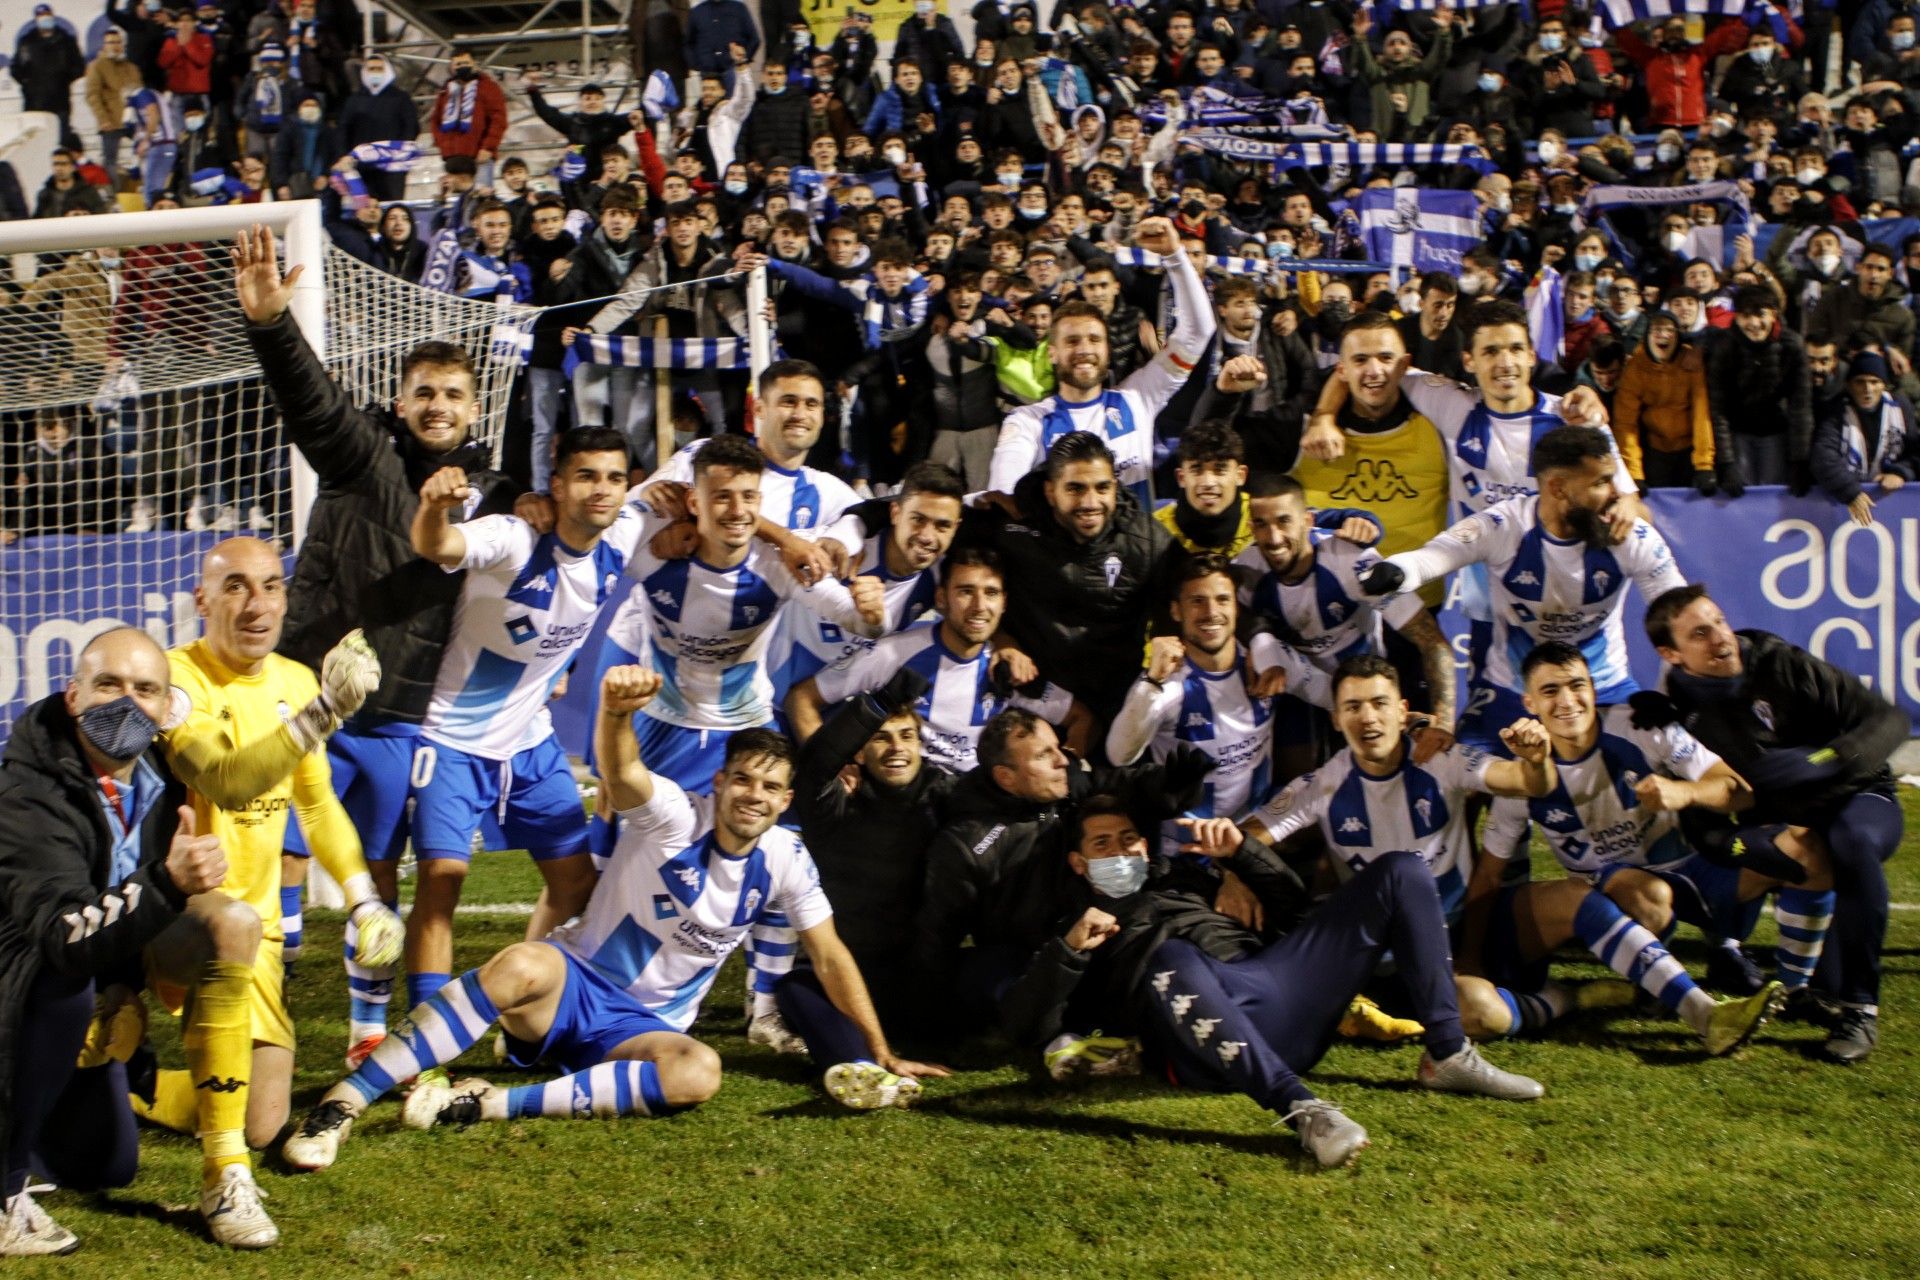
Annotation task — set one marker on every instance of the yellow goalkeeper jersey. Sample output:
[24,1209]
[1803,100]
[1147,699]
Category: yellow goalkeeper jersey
[1397,471]
[246,770]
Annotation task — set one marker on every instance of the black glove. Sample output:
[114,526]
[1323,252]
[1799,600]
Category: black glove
[1733,481]
[1383,579]
[1783,767]
[902,691]
[1703,483]
[1800,478]
[1650,710]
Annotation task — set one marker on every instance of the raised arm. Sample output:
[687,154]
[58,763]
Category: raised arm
[1530,774]
[623,691]
[434,535]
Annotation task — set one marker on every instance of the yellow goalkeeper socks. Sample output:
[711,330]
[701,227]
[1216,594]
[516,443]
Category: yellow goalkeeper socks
[219,1044]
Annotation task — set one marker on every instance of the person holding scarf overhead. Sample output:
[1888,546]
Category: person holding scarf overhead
[379,112]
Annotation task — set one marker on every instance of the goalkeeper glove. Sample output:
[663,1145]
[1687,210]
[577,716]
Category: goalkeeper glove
[350,671]
[1383,579]
[119,1027]
[380,934]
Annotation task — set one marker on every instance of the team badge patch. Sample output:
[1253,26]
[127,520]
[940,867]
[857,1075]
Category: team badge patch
[1112,567]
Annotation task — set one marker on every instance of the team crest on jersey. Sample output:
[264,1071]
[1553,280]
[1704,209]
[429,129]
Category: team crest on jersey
[284,711]
[751,903]
[1112,568]
[1113,417]
[1600,579]
[1337,611]
[521,629]
[802,518]
[751,612]
[1466,531]
[1763,712]
[1424,807]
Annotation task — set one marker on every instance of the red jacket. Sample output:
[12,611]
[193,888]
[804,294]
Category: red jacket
[1677,82]
[189,66]
[488,126]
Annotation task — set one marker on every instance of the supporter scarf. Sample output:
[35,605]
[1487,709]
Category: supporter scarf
[389,157]
[456,116]
[267,104]
[887,320]
[1867,459]
[297,32]
[352,188]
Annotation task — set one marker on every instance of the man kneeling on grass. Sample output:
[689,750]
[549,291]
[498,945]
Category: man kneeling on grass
[609,996]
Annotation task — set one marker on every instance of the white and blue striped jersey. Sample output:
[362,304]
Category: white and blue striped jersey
[672,905]
[959,699]
[1594,819]
[707,631]
[1122,416]
[1417,808]
[815,643]
[1546,589]
[1489,456]
[1325,615]
[801,499]
[527,603]
[1213,712]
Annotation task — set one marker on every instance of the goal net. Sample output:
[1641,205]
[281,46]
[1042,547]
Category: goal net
[135,427]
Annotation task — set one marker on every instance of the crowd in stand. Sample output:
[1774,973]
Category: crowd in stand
[926,214]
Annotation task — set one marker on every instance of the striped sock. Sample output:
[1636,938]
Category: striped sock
[770,947]
[437,1031]
[292,925]
[1636,955]
[1532,1011]
[369,991]
[1803,916]
[422,987]
[610,1089]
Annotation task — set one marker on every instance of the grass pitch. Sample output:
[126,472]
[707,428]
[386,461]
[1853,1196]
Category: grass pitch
[1643,1160]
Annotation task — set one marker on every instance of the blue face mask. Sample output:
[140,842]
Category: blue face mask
[1584,316]
[1117,877]
[120,730]
[1763,55]
[1489,84]
[1279,249]
[1586,261]
[1901,41]
[1552,43]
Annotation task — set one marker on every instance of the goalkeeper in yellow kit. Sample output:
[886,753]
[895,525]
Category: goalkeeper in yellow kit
[250,747]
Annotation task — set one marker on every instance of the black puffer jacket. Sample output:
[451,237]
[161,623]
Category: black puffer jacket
[998,871]
[1080,610]
[58,909]
[1762,389]
[357,567]
[1102,989]
[1789,698]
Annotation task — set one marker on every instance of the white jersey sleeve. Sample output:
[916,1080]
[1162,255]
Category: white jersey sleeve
[668,820]
[1051,704]
[1304,680]
[1678,751]
[864,670]
[1462,767]
[1295,807]
[1479,537]
[1440,400]
[495,542]
[1649,561]
[1148,709]
[1017,451]
[797,894]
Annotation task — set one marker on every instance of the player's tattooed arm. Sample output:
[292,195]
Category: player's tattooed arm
[1436,663]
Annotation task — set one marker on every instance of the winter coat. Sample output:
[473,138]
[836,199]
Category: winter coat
[357,567]
[1662,405]
[59,909]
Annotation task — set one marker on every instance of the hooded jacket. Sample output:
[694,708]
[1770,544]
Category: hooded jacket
[358,567]
[59,910]
[1762,389]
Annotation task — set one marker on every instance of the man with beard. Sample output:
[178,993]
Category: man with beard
[1553,573]
[1121,417]
[610,997]
[963,682]
[1814,742]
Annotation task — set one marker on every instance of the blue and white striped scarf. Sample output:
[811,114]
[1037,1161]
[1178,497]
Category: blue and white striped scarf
[456,116]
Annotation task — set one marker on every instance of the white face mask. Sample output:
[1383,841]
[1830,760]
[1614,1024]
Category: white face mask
[1410,304]
[895,155]
[1674,240]
[376,80]
[1549,150]
[1009,179]
[1503,202]
[1828,263]
[1666,153]
[1808,177]
[194,123]
[1472,285]
[310,115]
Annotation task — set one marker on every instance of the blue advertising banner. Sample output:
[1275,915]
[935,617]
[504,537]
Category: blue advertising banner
[1798,567]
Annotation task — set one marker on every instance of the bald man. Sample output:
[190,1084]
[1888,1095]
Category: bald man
[98,855]
[248,756]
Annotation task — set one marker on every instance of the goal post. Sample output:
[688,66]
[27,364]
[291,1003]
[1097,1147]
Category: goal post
[136,428]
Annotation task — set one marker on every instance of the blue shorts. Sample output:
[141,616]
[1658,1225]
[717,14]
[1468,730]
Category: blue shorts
[688,756]
[372,775]
[533,796]
[593,1019]
[1705,895]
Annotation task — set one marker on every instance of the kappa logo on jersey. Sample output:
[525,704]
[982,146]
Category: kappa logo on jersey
[1336,610]
[219,1084]
[1374,480]
[1526,578]
[521,629]
[1353,826]
[663,598]
[1557,817]
[688,877]
[1196,720]
[1112,567]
